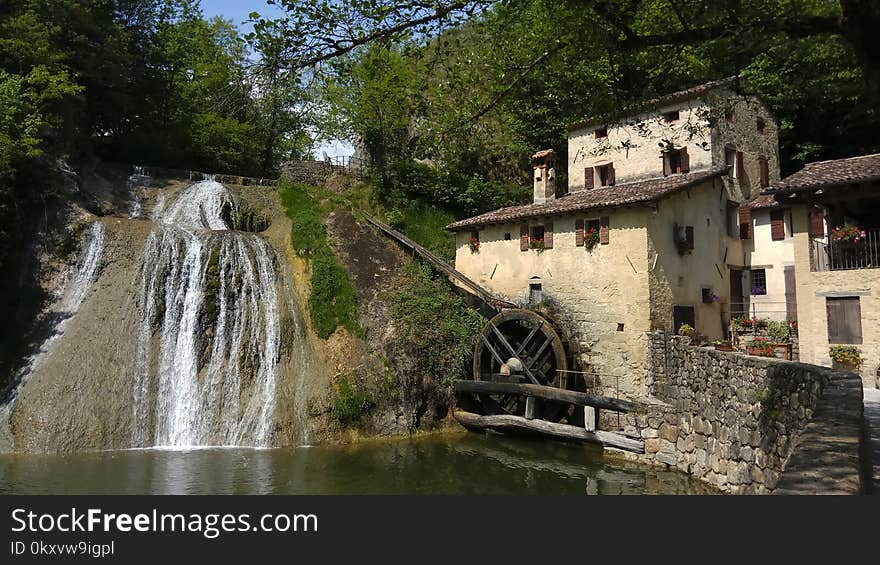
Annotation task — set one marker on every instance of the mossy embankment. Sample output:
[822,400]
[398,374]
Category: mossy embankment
[394,334]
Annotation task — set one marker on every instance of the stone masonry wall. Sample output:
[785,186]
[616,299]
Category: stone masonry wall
[726,418]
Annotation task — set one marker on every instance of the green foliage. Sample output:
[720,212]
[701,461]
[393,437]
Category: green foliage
[424,223]
[332,301]
[350,402]
[778,331]
[685,329]
[846,355]
[436,325]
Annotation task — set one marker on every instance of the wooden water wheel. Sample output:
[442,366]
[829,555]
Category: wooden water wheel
[520,346]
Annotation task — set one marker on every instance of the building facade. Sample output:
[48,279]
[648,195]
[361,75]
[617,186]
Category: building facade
[835,211]
[654,222]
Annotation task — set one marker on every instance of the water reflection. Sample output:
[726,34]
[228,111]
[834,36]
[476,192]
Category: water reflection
[441,464]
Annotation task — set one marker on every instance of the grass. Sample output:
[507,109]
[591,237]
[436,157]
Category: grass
[424,224]
[350,402]
[332,300]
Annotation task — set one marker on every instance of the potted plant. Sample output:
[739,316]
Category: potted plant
[722,345]
[845,358]
[537,244]
[474,244]
[591,238]
[761,347]
[686,330]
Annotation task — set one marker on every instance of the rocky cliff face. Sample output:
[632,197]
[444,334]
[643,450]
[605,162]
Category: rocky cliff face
[78,389]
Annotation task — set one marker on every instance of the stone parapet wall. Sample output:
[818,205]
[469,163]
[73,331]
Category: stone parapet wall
[734,420]
[313,173]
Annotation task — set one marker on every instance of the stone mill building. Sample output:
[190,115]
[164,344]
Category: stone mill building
[654,229]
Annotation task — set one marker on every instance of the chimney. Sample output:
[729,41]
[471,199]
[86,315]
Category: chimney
[544,176]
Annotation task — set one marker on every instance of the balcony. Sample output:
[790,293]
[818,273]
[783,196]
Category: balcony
[831,253]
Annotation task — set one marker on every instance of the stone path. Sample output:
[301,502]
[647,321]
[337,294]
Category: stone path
[872,418]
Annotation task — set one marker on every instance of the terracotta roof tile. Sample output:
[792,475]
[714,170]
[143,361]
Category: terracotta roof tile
[543,153]
[830,173]
[606,197]
[763,201]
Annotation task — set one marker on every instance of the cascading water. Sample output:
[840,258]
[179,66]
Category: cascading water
[73,293]
[209,338]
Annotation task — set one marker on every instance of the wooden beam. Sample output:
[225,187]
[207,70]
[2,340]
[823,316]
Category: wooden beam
[561,431]
[547,393]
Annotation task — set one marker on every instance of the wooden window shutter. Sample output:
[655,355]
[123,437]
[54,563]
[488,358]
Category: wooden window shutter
[579,233]
[666,165]
[689,236]
[685,161]
[610,174]
[844,320]
[817,223]
[548,235]
[589,178]
[740,167]
[524,237]
[604,230]
[777,225]
[763,172]
[745,222]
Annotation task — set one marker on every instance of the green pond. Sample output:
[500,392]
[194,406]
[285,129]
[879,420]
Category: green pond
[432,464]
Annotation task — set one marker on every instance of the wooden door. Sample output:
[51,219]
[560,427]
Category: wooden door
[737,300]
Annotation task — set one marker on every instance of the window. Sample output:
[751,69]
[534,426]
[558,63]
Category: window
[675,162]
[763,172]
[732,219]
[730,160]
[759,282]
[745,222]
[844,319]
[777,225]
[507,236]
[601,132]
[606,174]
[536,294]
[537,233]
[760,125]
[683,315]
[672,116]
[589,178]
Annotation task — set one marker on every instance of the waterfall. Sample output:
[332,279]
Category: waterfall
[138,176]
[209,338]
[71,297]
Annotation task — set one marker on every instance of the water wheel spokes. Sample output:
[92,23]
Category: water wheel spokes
[518,346]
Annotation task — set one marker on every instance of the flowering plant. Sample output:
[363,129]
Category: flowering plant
[537,244]
[847,235]
[591,238]
[762,346]
[474,244]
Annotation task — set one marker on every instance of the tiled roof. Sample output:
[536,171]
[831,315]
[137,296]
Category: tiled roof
[687,94]
[543,153]
[605,197]
[830,173]
[763,201]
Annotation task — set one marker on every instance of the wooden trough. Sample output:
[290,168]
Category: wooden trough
[531,423]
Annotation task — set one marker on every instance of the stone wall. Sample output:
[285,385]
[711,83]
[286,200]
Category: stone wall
[734,420]
[307,172]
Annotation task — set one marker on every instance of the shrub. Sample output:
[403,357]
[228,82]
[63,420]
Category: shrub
[685,329]
[332,300]
[778,331]
[436,326]
[847,355]
[350,402]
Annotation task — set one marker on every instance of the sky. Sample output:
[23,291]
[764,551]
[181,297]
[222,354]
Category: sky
[238,11]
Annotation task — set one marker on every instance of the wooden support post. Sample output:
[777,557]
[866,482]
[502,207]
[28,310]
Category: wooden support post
[591,418]
[531,408]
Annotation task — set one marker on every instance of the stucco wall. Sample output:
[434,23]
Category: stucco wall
[678,279]
[812,290]
[641,158]
[604,293]
[773,257]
